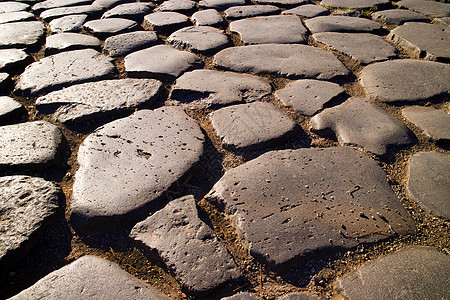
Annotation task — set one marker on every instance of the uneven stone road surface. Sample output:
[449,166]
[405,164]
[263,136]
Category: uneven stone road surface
[224,149]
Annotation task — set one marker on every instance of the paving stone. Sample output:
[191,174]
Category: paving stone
[68,41]
[210,88]
[73,23]
[166,21]
[347,13]
[270,29]
[161,145]
[16,17]
[65,69]
[54,13]
[251,126]
[199,39]
[187,246]
[93,277]
[308,96]
[108,4]
[248,11]
[292,61]
[26,207]
[429,182]
[435,123]
[12,6]
[207,17]
[307,11]
[414,272]
[363,47]
[429,41]
[21,34]
[341,24]
[125,43]
[112,26]
[395,17]
[81,102]
[292,204]
[11,59]
[49,4]
[182,6]
[132,11]
[283,3]
[161,61]
[220,4]
[242,296]
[406,80]
[9,109]
[29,145]
[301,296]
[355,4]
[429,8]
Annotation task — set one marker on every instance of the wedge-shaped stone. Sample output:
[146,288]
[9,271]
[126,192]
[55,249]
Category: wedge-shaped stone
[429,8]
[11,59]
[220,4]
[341,24]
[73,23]
[307,11]
[125,43]
[48,4]
[283,3]
[207,17]
[21,34]
[248,11]
[12,6]
[435,123]
[16,16]
[355,4]
[51,14]
[132,11]
[107,27]
[68,41]
[396,17]
[199,39]
[292,204]
[141,156]
[187,246]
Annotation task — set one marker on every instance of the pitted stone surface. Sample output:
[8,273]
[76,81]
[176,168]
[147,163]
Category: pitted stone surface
[308,96]
[93,277]
[51,14]
[341,24]
[111,26]
[360,122]
[160,61]
[356,4]
[429,182]
[406,80]
[133,11]
[141,156]
[242,296]
[49,4]
[220,4]
[429,8]
[166,21]
[183,6]
[26,207]
[68,41]
[363,47]
[283,3]
[29,145]
[21,34]
[291,204]
[435,123]
[307,11]
[13,58]
[187,246]
[16,17]
[248,11]
[207,17]
[81,102]
[398,16]
[12,6]
[199,39]
[210,88]
[251,126]
[292,61]
[73,23]
[65,69]
[10,109]
[271,29]
[125,43]
[301,296]
[414,272]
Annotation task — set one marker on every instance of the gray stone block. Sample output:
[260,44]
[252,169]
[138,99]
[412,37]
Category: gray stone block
[355,4]
[112,26]
[54,13]
[132,11]
[207,17]
[12,6]
[283,3]
[199,39]
[166,21]
[395,17]
[13,59]
[21,34]
[341,24]
[432,9]
[220,4]
[16,16]
[68,41]
[72,23]
[182,6]
[10,110]
[126,43]
[49,4]
[248,11]
[307,11]
[434,123]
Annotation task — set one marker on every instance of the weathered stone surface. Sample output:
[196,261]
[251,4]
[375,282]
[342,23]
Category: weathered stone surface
[49,4]
[112,26]
[27,205]
[398,16]
[132,11]
[73,23]
[9,109]
[12,6]
[307,11]
[13,58]
[125,43]
[308,96]
[220,4]
[68,41]
[166,21]
[21,34]
[108,4]
[93,277]
[65,69]
[199,39]
[90,10]
[414,272]
[162,61]
[270,30]
[429,182]
[355,4]
[347,13]
[291,204]
[429,8]
[242,296]
[360,122]
[363,47]
[248,11]
[435,123]
[182,6]
[29,145]
[283,3]
[207,17]
[406,80]
[301,296]
[159,146]
[89,100]
[442,21]
[187,246]
[341,24]
[292,61]
[16,17]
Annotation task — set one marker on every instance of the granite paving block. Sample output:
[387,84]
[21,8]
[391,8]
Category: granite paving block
[355,4]
[68,41]
[248,11]
[10,110]
[341,24]
[283,3]
[432,9]
[220,4]
[16,17]
[435,123]
[11,59]
[132,11]
[49,4]
[105,28]
[73,23]
[54,13]
[21,34]
[12,6]
[182,6]
[395,17]
[307,11]
[207,17]
[125,43]
[199,39]
[166,21]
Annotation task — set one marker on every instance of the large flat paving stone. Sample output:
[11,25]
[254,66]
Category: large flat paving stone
[395,17]
[107,27]
[92,277]
[199,39]
[283,3]
[21,34]
[414,272]
[132,11]
[27,204]
[207,17]
[11,59]
[406,80]
[292,204]
[360,122]
[182,6]
[10,110]
[65,69]
[210,88]
[29,145]
[354,4]
[429,182]
[187,246]
[54,13]
[435,123]
[49,4]
[12,6]
[86,101]
[248,11]
[166,21]
[270,29]
[73,23]
[220,4]
[308,96]
[141,156]
[125,43]
[292,61]
[16,16]
[429,8]
[307,11]
[68,41]
[341,24]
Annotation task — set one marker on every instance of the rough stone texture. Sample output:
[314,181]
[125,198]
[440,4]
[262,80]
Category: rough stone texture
[308,96]
[12,6]
[220,4]
[49,4]
[90,10]
[210,88]
[125,43]
[65,69]
[341,24]
[429,8]
[248,11]
[292,204]
[207,17]
[141,156]
[92,277]
[435,123]
[395,17]
[242,296]
[406,80]
[26,207]
[29,145]
[166,21]
[292,61]
[429,182]
[10,110]
[347,13]
[414,272]
[16,17]
[301,296]
[308,11]
[11,59]
[73,23]
[360,122]
[112,26]
[21,34]
[355,4]
[283,3]
[199,39]
[271,29]
[162,61]
[183,6]
[68,41]
[187,246]
[363,47]
[133,11]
